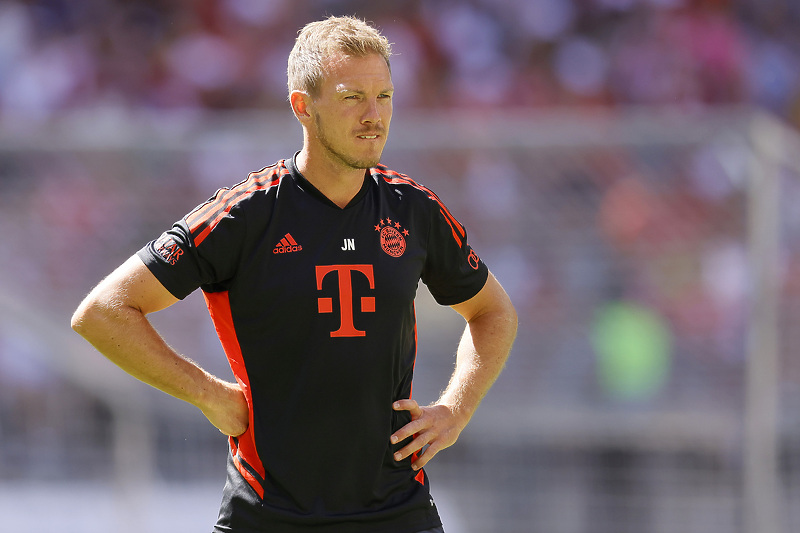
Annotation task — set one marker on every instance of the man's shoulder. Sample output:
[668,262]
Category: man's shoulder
[228,200]
[264,179]
[398,181]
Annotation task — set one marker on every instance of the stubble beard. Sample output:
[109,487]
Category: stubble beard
[338,155]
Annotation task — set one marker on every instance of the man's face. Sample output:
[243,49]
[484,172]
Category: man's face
[352,112]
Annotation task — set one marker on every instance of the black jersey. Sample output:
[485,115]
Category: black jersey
[314,306]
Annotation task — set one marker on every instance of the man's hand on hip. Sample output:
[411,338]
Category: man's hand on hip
[435,426]
[227,408]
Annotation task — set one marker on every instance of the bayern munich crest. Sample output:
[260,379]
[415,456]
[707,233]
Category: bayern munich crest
[393,237]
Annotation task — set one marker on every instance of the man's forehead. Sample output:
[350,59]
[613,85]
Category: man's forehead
[343,68]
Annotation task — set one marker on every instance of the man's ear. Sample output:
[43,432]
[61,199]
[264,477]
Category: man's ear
[300,103]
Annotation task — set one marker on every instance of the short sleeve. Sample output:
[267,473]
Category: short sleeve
[453,272]
[184,258]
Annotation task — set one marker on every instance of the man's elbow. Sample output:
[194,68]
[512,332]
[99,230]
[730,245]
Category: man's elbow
[94,315]
[504,311]
[76,322]
[500,320]
[497,311]
[84,316]
[510,318]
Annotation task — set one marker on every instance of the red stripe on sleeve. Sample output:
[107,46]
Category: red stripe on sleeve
[205,217]
[455,235]
[204,211]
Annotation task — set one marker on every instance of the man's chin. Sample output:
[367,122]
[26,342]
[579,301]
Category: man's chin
[361,161]
[365,163]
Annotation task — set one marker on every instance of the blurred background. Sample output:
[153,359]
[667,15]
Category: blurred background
[629,169]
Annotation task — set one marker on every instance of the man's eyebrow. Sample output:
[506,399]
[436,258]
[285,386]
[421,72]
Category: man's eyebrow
[344,89]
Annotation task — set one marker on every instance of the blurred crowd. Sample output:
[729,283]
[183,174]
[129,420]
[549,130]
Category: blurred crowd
[628,266]
[231,54]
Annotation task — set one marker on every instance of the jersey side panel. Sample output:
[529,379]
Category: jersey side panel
[243,447]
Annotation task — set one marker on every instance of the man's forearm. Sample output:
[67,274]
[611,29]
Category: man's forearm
[113,318]
[482,353]
[125,336]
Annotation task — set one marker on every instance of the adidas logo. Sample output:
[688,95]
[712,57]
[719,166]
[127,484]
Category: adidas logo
[287,244]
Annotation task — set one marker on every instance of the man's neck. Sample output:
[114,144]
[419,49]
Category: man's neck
[338,183]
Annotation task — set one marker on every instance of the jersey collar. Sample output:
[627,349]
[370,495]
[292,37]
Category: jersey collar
[309,188]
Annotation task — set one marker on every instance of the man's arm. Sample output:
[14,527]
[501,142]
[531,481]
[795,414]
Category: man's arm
[113,319]
[482,353]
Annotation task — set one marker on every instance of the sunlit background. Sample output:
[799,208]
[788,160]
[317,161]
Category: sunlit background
[629,169]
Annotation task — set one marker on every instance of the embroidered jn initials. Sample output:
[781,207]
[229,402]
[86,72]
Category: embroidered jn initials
[345,275]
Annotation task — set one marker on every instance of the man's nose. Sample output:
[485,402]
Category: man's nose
[371,113]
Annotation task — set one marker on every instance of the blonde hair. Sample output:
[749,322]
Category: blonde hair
[317,41]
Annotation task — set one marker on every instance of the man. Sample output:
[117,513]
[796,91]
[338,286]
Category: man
[309,269]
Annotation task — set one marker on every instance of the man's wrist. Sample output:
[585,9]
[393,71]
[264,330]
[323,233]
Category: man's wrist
[458,410]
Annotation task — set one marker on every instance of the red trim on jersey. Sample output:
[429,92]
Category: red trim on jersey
[420,477]
[452,228]
[219,307]
[205,217]
[391,177]
[250,478]
[202,212]
[414,364]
